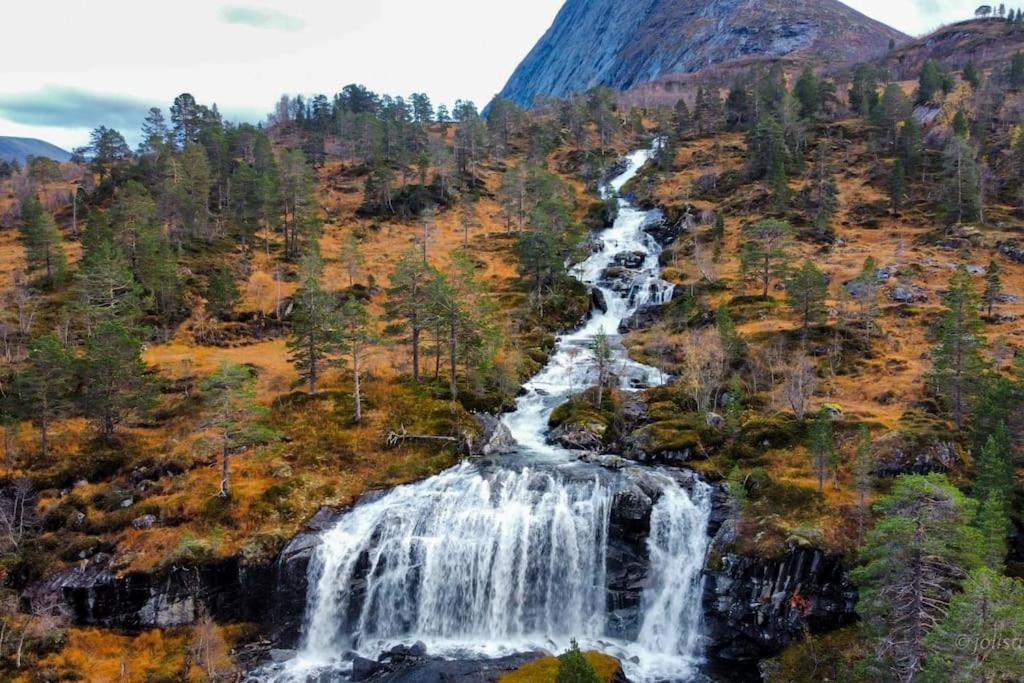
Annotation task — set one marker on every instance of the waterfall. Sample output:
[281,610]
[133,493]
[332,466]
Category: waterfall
[490,559]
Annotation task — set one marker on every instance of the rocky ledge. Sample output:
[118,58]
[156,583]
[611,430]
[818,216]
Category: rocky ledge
[754,607]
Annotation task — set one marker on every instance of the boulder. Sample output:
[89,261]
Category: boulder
[644,318]
[579,437]
[597,300]
[494,437]
[144,522]
[632,260]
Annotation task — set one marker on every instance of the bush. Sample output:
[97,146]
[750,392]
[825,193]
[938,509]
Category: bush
[573,667]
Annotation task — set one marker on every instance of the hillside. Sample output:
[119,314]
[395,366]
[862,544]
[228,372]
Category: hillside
[240,337]
[19,149]
[622,45]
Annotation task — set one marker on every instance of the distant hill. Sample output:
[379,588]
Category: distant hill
[18,149]
[626,44]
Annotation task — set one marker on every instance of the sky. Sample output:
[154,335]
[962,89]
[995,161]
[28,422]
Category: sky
[71,65]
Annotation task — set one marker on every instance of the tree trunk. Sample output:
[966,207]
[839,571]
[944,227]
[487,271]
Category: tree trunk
[357,390]
[453,356]
[415,352]
[225,482]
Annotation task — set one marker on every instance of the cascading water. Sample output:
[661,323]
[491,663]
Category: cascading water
[491,559]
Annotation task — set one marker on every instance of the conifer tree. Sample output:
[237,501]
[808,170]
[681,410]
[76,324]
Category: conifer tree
[43,241]
[114,377]
[822,446]
[806,291]
[230,398]
[863,466]
[912,564]
[407,301]
[573,667]
[958,364]
[314,343]
[993,286]
[989,611]
[897,185]
[221,292]
[355,335]
[808,91]
[48,381]
[962,195]
[765,252]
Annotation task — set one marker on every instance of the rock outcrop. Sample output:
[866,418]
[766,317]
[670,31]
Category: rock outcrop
[755,607]
[624,44]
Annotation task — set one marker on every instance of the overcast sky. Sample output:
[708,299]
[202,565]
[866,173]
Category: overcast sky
[70,65]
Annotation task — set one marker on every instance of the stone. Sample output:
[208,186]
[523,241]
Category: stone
[363,669]
[715,421]
[127,502]
[280,656]
[633,260]
[144,522]
[494,438]
[597,300]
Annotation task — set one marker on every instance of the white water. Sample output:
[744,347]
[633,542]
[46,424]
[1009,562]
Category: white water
[487,560]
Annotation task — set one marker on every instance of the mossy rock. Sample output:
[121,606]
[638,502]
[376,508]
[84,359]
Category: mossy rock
[545,670]
[577,412]
[687,437]
[663,410]
[772,431]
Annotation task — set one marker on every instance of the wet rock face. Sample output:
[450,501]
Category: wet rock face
[93,594]
[755,607]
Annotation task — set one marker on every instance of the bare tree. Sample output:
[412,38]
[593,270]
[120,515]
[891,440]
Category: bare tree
[799,385]
[703,367]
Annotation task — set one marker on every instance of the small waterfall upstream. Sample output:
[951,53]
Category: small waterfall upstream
[511,556]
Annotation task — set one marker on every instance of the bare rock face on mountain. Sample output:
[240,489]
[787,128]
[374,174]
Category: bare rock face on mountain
[624,44]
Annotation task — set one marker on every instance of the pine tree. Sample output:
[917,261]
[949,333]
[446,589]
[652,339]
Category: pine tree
[822,447]
[971,76]
[993,286]
[106,286]
[958,364]
[866,294]
[732,341]
[863,467]
[989,611]
[994,526]
[1016,74]
[43,241]
[355,336]
[912,564]
[114,377]
[822,194]
[929,83]
[230,398]
[765,252]
[48,381]
[351,257]
[407,301]
[993,470]
[314,342]
[221,292]
[573,667]
[806,291]
[962,195]
[808,91]
[897,185]
[910,146]
[601,347]
[683,119]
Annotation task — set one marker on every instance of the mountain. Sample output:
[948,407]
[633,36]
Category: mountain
[18,149]
[623,44]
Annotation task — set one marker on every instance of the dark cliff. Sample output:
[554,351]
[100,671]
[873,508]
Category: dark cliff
[624,44]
